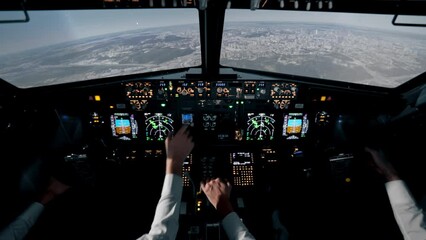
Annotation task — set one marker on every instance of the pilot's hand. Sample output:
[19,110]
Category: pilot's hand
[54,189]
[382,165]
[178,147]
[218,192]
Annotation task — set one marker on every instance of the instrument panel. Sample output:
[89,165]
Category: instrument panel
[223,111]
[243,129]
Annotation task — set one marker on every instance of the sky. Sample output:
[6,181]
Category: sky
[50,27]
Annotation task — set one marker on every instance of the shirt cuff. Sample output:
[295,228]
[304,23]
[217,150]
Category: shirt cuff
[233,225]
[398,193]
[33,212]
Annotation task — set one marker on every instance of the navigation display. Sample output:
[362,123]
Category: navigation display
[260,126]
[158,126]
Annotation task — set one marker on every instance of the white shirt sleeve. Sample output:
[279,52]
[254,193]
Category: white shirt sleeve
[18,229]
[408,215]
[235,228]
[166,220]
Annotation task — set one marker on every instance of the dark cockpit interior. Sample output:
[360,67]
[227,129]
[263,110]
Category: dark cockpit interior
[282,109]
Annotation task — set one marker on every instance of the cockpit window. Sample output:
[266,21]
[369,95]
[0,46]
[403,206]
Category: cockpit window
[358,48]
[67,46]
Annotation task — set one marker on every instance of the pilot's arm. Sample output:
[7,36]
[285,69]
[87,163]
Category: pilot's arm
[235,228]
[218,192]
[20,227]
[408,215]
[166,220]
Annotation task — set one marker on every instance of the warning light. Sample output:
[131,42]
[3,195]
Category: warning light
[323,98]
[97,98]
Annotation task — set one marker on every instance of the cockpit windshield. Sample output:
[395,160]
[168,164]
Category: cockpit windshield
[358,48]
[63,46]
[66,46]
